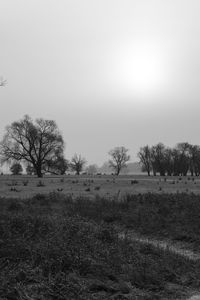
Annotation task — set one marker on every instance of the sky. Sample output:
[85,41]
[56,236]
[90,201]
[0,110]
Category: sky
[110,72]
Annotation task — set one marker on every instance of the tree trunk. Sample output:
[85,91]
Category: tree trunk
[118,171]
[39,171]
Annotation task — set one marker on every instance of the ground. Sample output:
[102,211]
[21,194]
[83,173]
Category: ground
[99,237]
[103,185]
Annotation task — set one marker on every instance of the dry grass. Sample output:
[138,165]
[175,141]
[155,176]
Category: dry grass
[90,186]
[53,247]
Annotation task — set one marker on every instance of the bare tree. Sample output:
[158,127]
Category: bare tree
[92,169]
[158,159]
[181,157]
[119,158]
[194,156]
[34,143]
[77,163]
[145,158]
[169,161]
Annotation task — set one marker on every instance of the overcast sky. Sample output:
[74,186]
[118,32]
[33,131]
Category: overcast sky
[110,72]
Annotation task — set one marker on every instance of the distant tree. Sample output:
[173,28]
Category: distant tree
[30,170]
[105,168]
[183,161]
[16,169]
[177,161]
[34,143]
[92,169]
[145,159]
[77,163]
[194,163]
[158,159]
[119,158]
[168,161]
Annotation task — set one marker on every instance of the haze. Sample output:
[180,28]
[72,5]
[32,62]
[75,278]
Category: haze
[111,73]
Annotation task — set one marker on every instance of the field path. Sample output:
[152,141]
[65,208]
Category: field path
[166,244]
[176,248]
[195,297]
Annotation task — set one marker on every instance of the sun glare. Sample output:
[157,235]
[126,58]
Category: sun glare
[139,70]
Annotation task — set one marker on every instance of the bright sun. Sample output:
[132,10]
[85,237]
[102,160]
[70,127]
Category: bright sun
[139,69]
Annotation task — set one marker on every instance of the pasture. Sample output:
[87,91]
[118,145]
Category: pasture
[99,237]
[100,185]
[53,247]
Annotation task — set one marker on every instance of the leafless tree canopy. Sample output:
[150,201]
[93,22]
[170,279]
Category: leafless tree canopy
[119,158]
[145,158]
[34,143]
[77,163]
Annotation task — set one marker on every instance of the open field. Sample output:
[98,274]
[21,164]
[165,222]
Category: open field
[53,247]
[102,185]
[99,237]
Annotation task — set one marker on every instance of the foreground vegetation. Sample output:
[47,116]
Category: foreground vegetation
[54,247]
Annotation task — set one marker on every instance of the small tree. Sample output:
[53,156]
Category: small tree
[30,170]
[77,163]
[92,169]
[145,158]
[158,159]
[119,158]
[16,169]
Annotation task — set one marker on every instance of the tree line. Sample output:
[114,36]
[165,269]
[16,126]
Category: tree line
[176,161]
[39,145]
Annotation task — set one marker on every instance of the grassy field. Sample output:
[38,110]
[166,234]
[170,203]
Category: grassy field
[61,238]
[103,185]
[56,247]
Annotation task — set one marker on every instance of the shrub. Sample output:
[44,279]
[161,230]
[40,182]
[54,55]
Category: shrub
[134,181]
[40,183]
[12,183]
[13,189]
[25,182]
[16,169]
[97,188]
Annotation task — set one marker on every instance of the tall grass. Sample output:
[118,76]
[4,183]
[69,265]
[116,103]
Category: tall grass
[54,247]
[171,215]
